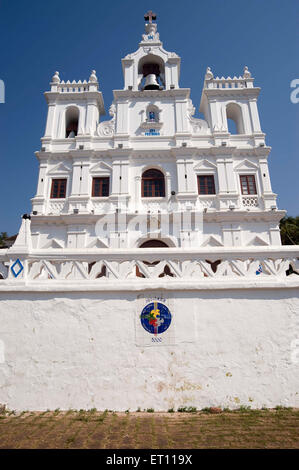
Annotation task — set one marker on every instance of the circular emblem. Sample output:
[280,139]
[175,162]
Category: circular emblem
[155,318]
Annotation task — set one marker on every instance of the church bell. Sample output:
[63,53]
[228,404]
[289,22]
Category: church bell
[151,82]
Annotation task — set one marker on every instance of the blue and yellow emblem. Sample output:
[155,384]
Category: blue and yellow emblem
[155,318]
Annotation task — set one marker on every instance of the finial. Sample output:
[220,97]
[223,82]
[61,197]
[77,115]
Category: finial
[246,73]
[209,74]
[56,78]
[93,77]
[150,16]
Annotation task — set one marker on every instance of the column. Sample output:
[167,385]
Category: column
[168,186]
[91,118]
[50,121]
[76,179]
[255,120]
[230,179]
[265,178]
[181,176]
[41,180]
[191,181]
[222,176]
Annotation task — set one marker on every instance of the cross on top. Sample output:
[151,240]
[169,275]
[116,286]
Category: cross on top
[150,16]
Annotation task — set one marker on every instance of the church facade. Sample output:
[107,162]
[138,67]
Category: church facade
[150,272]
[153,157]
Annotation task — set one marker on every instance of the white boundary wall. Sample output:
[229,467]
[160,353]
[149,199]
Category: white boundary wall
[225,347]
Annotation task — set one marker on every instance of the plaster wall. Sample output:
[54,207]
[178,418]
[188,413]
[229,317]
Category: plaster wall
[85,350]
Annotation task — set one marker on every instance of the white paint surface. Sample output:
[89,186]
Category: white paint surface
[77,350]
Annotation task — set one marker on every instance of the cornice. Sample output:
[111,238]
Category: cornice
[54,96]
[146,94]
[229,216]
[174,151]
[253,92]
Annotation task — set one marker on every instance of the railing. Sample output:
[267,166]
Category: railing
[73,87]
[236,82]
[143,264]
[56,207]
[250,201]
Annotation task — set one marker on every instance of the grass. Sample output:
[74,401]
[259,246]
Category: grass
[187,409]
[242,428]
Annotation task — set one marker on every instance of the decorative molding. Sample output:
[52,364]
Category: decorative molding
[107,128]
[198,126]
[246,165]
[53,243]
[212,241]
[60,169]
[100,167]
[257,241]
[205,165]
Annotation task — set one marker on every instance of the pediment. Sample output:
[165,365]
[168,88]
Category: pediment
[212,241]
[246,165]
[205,165]
[100,167]
[97,244]
[53,243]
[257,241]
[60,169]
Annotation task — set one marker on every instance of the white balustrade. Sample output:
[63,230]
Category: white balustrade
[250,201]
[56,207]
[167,263]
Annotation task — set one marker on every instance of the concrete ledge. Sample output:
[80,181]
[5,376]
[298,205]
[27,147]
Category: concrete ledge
[148,284]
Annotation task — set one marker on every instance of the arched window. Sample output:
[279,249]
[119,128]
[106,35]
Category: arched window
[153,184]
[151,70]
[152,113]
[71,122]
[234,119]
[153,243]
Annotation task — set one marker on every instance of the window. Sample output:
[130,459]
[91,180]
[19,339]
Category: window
[235,123]
[58,190]
[153,243]
[71,122]
[152,116]
[100,187]
[206,184]
[153,184]
[248,185]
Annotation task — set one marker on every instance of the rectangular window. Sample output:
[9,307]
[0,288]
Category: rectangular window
[153,188]
[100,187]
[248,185]
[58,190]
[206,184]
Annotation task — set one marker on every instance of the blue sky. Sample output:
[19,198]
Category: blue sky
[39,37]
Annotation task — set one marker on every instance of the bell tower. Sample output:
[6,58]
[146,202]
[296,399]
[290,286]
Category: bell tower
[151,67]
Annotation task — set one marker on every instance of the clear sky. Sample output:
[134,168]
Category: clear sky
[73,37]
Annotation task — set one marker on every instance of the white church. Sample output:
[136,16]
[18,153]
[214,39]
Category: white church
[150,272]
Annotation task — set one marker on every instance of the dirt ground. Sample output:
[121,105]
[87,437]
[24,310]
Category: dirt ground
[92,429]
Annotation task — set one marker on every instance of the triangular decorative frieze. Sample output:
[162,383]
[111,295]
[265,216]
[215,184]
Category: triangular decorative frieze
[257,241]
[60,169]
[97,244]
[246,165]
[212,241]
[205,165]
[100,167]
[53,243]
